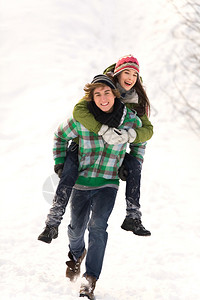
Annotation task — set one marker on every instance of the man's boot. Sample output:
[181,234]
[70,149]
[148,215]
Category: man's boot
[74,267]
[87,287]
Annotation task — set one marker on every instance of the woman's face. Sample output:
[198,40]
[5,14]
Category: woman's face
[127,78]
[104,98]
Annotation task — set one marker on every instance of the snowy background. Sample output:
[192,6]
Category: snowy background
[49,50]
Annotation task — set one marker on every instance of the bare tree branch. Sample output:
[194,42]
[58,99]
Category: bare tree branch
[188,30]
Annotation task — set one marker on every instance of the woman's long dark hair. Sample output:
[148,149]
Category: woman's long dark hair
[144,104]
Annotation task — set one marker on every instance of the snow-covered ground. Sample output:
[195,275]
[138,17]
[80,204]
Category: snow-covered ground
[49,50]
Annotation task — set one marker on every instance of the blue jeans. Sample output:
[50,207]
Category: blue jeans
[134,167]
[91,209]
[64,189]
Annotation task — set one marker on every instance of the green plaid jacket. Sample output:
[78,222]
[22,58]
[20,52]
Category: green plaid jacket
[98,161]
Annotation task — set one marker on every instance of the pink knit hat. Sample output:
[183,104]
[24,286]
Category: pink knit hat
[126,62]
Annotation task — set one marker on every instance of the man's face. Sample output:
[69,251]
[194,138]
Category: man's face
[104,98]
[127,78]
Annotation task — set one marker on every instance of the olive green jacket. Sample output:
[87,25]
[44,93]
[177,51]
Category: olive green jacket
[82,115]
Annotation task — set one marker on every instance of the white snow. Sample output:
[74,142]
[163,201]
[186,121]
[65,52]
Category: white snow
[49,50]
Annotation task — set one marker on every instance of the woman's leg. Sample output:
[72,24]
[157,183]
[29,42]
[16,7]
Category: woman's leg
[62,195]
[133,179]
[132,221]
[64,189]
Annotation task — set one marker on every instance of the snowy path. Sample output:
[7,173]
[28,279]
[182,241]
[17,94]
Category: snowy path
[50,50]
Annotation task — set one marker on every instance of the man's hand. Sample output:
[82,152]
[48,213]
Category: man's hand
[122,173]
[58,169]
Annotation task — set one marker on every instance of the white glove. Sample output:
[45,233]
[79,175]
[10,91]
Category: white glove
[103,129]
[132,135]
[115,136]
